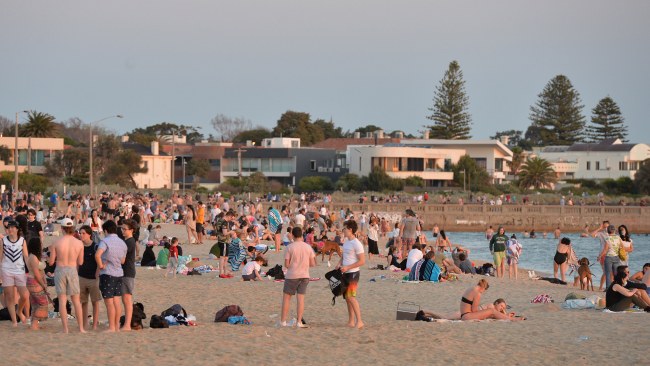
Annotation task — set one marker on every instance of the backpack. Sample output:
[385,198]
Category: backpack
[227,311]
[337,283]
[159,322]
[174,310]
[276,272]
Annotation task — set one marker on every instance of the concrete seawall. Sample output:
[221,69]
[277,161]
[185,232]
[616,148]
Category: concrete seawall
[513,217]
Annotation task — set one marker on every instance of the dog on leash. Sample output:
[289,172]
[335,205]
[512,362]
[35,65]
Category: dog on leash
[330,247]
[584,274]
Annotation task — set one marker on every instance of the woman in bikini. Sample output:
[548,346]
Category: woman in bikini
[442,242]
[470,305]
[561,259]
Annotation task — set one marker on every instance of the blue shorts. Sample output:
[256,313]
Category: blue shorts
[110,286]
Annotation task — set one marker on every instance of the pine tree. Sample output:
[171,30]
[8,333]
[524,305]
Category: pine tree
[607,122]
[558,113]
[451,119]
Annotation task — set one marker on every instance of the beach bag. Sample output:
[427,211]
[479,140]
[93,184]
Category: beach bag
[276,272]
[337,284]
[174,310]
[622,253]
[231,310]
[158,322]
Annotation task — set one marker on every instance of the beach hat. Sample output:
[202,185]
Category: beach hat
[67,222]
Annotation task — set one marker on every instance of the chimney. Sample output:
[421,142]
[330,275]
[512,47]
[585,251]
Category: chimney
[368,135]
[125,138]
[399,134]
[154,148]
[425,134]
[505,139]
[357,135]
[379,134]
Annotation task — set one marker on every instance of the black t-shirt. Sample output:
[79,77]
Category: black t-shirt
[129,263]
[33,228]
[136,232]
[89,268]
[612,297]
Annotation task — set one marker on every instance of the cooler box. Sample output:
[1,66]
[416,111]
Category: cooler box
[407,310]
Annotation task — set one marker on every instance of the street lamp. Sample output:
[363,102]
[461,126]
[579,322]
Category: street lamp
[90,149]
[183,174]
[16,157]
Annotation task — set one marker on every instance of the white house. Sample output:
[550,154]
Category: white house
[607,159]
[159,166]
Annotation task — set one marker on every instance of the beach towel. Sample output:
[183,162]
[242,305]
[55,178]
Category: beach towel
[236,254]
[542,299]
[238,319]
[430,272]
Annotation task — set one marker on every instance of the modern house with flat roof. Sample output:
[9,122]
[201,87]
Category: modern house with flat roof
[33,152]
[608,159]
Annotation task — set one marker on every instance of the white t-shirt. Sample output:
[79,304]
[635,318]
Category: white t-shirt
[352,248]
[414,256]
[299,219]
[250,267]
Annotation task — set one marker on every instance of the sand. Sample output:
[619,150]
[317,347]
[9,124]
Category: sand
[551,335]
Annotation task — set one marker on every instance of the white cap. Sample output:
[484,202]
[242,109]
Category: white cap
[67,222]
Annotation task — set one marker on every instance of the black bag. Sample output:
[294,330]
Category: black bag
[276,272]
[227,311]
[158,322]
[174,310]
[68,305]
[337,283]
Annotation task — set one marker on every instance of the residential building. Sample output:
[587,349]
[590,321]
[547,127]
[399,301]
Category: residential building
[158,166]
[281,159]
[609,159]
[33,152]
[184,153]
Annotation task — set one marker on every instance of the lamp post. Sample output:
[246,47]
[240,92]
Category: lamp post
[90,149]
[16,157]
[183,175]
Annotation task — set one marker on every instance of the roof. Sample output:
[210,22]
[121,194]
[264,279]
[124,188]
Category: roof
[140,149]
[600,147]
[341,144]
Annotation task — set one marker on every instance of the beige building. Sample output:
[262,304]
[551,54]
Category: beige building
[33,152]
[159,166]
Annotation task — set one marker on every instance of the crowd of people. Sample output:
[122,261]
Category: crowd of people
[95,258]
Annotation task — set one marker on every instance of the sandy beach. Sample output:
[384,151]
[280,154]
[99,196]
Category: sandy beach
[551,335]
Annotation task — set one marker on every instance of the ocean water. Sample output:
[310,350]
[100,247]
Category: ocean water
[538,253]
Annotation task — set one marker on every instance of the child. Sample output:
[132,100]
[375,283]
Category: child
[173,257]
[285,237]
[251,271]
[163,257]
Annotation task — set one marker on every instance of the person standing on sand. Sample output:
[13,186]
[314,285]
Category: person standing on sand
[128,268]
[88,282]
[409,227]
[68,254]
[110,255]
[601,235]
[610,254]
[498,250]
[298,258]
[353,258]
[489,233]
[275,225]
[13,253]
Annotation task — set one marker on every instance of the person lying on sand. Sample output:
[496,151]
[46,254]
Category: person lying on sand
[499,304]
[470,305]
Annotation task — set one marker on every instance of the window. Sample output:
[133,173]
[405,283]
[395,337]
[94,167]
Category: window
[634,165]
[622,165]
[589,165]
[481,162]
[266,165]
[145,164]
[598,165]
[312,165]
[215,163]
[498,165]
[294,144]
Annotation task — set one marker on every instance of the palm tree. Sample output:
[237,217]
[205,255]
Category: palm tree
[40,125]
[537,173]
[517,160]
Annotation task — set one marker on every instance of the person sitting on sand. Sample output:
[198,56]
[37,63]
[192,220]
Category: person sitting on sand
[470,305]
[643,277]
[465,264]
[251,271]
[620,296]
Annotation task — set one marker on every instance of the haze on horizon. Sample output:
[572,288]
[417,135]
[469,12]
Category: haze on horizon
[363,62]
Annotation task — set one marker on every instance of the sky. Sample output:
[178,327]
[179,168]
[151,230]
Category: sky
[354,62]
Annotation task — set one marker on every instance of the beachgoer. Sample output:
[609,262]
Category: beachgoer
[223,227]
[409,227]
[353,258]
[513,253]
[190,225]
[498,250]
[297,259]
[601,234]
[557,233]
[38,298]
[251,271]
[275,225]
[110,255]
[414,255]
[561,258]
[643,277]
[373,237]
[172,265]
[13,252]
[626,242]
[609,251]
[470,305]
[67,253]
[489,233]
[88,281]
[442,242]
[128,267]
[200,222]
[620,296]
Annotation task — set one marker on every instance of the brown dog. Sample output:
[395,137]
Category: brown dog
[330,247]
[584,274]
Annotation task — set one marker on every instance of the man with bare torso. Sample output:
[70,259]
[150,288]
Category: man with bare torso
[68,254]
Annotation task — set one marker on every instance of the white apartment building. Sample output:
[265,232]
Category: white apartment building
[609,159]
